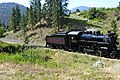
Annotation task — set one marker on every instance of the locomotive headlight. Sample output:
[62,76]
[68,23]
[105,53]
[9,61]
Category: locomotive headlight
[103,47]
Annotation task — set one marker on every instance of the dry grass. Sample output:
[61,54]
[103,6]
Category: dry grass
[36,36]
[70,66]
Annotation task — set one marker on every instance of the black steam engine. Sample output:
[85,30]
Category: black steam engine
[86,42]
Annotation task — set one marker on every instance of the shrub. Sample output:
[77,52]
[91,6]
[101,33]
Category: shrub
[10,48]
[95,13]
[1,31]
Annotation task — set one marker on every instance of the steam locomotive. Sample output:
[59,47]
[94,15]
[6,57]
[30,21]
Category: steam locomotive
[90,42]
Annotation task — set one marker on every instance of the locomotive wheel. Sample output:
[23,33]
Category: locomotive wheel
[81,49]
[113,55]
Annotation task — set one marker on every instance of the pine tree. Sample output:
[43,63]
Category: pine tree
[4,26]
[60,15]
[36,4]
[44,11]
[13,22]
[7,27]
[39,15]
[47,11]
[23,24]
[15,19]
[27,15]
[47,8]
[58,9]
[35,16]
[18,16]
[31,17]
[65,5]
[0,23]
[55,15]
[2,29]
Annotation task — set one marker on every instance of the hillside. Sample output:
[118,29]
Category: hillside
[74,21]
[5,11]
[48,64]
[102,24]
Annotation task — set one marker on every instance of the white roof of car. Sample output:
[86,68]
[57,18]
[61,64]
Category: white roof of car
[74,32]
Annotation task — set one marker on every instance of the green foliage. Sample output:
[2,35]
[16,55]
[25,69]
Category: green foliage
[76,24]
[117,13]
[36,6]
[54,10]
[23,24]
[38,10]
[15,19]
[55,14]
[10,48]
[95,13]
[18,16]
[33,56]
[31,16]
[47,9]
[46,64]
[26,40]
[114,26]
[2,31]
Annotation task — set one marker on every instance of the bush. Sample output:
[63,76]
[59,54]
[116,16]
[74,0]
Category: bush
[10,48]
[95,13]
[1,31]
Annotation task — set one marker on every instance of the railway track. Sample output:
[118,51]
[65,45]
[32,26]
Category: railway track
[20,42]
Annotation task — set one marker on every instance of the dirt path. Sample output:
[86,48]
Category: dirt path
[13,41]
[20,42]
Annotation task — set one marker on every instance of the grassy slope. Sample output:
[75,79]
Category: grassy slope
[36,36]
[106,23]
[47,64]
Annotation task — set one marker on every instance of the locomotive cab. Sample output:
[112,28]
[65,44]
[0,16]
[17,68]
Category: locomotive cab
[73,37]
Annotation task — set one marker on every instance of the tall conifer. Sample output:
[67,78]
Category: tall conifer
[18,16]
[13,22]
